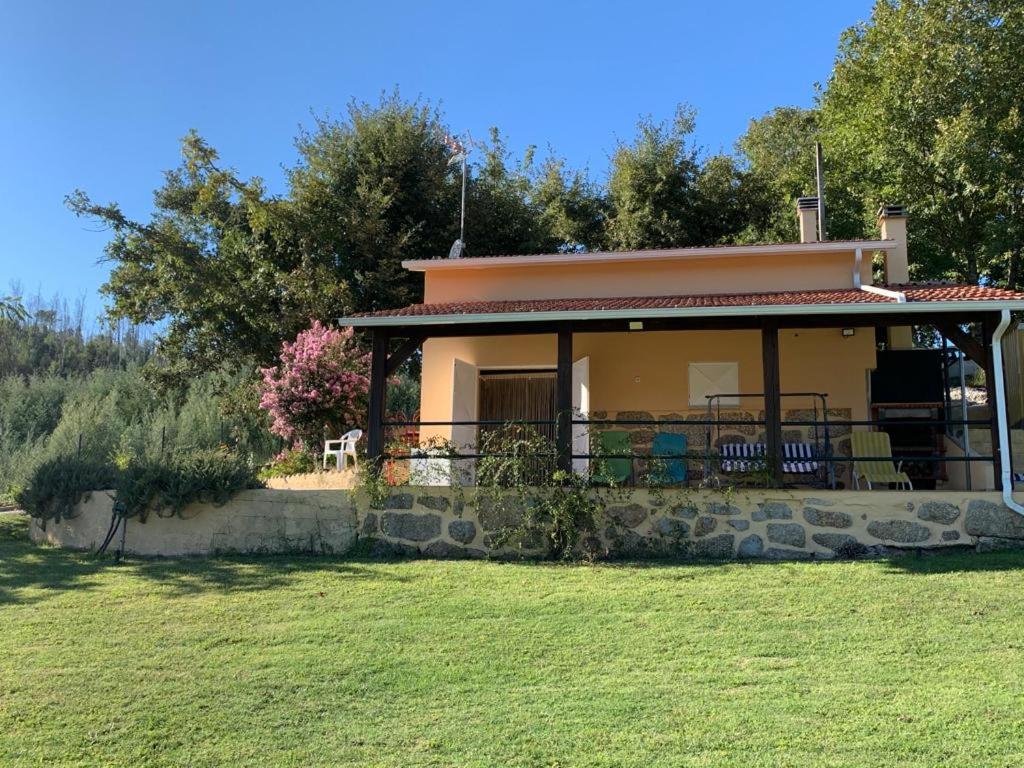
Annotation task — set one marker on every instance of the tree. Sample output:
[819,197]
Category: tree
[777,152]
[12,309]
[221,266]
[651,186]
[373,189]
[922,109]
[320,383]
[525,208]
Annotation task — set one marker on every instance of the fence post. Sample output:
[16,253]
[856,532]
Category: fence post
[563,400]
[772,398]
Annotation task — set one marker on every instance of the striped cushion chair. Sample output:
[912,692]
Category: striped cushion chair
[799,459]
[742,457]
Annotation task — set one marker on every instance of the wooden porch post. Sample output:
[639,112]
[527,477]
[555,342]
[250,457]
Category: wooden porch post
[563,400]
[988,327]
[378,384]
[772,399]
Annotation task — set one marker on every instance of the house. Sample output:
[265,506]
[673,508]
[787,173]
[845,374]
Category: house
[766,346]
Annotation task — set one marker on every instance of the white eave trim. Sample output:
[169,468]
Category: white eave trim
[877,308]
[661,254]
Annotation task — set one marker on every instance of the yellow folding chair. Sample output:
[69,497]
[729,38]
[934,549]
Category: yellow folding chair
[876,444]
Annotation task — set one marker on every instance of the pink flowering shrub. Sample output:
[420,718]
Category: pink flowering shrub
[320,382]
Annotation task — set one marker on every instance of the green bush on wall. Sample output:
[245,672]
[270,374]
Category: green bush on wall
[166,486]
[56,486]
[163,486]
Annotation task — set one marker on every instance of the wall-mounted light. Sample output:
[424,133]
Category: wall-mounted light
[636,325]
[848,332]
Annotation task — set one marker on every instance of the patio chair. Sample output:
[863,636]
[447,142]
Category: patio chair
[743,457]
[613,470]
[876,444]
[666,471]
[343,449]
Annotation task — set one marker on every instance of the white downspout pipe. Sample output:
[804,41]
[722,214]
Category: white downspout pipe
[1004,430]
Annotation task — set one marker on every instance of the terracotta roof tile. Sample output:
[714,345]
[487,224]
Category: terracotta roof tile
[914,293]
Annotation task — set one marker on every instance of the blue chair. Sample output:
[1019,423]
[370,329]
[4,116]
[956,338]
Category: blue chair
[667,471]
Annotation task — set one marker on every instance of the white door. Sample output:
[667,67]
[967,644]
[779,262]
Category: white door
[581,410]
[465,392]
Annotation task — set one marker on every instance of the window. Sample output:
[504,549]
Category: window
[714,379]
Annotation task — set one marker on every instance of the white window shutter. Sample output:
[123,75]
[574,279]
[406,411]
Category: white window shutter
[714,379]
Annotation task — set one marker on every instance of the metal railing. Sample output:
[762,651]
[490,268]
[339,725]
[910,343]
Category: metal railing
[710,461]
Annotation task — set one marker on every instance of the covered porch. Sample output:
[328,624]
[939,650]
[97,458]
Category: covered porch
[803,388]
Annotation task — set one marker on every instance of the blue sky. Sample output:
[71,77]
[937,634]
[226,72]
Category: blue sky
[96,95]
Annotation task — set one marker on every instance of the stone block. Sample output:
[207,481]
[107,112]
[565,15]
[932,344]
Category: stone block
[411,526]
[751,546]
[791,534]
[938,512]
[776,553]
[771,510]
[996,543]
[721,508]
[900,531]
[827,518]
[843,544]
[628,515]
[689,511]
[463,531]
[445,551]
[740,525]
[399,501]
[495,514]
[715,548]
[705,525]
[984,518]
[673,529]
[436,503]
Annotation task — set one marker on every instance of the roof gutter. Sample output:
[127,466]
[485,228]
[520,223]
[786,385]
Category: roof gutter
[873,308]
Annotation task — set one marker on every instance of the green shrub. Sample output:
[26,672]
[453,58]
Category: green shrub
[56,485]
[290,461]
[141,486]
[166,486]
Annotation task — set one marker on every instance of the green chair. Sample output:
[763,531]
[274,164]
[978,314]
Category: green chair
[876,444]
[613,470]
[666,471]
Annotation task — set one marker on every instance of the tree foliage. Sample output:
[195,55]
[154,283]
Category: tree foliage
[321,383]
[923,108]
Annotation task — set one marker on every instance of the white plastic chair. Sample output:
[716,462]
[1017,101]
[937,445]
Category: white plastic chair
[343,449]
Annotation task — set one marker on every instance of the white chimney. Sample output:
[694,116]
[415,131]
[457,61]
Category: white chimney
[892,221]
[807,212]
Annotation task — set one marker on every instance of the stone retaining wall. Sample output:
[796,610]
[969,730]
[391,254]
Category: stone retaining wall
[780,525]
[263,521]
[444,523]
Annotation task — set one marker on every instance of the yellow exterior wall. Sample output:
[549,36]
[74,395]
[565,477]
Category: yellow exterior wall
[649,371]
[688,276]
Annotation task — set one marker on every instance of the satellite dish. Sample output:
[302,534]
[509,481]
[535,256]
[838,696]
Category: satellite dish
[457,249]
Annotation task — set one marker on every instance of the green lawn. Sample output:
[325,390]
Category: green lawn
[315,661]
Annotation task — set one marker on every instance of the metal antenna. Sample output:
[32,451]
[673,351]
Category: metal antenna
[819,162]
[460,154]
